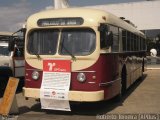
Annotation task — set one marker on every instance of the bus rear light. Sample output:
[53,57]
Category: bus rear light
[35,75]
[81,77]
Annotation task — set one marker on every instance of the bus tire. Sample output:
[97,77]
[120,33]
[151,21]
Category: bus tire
[143,62]
[123,80]
[122,91]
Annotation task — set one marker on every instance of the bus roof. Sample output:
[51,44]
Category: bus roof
[92,17]
[6,33]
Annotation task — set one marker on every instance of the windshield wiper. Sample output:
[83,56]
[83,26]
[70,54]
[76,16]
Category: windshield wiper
[38,56]
[73,57]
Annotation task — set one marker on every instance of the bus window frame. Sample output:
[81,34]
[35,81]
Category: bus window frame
[116,35]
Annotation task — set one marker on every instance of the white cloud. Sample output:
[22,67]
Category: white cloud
[12,17]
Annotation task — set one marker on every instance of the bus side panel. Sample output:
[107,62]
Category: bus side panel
[110,75]
[134,66]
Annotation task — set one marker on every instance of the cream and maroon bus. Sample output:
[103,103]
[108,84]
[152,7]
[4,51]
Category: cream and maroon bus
[107,54]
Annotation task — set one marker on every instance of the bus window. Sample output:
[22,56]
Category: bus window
[115,31]
[132,42]
[137,45]
[77,41]
[128,41]
[43,42]
[141,44]
[138,42]
[144,44]
[124,41]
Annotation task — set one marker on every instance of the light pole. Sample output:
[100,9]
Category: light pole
[58,4]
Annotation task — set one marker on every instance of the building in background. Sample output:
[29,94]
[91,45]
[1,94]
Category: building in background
[145,15]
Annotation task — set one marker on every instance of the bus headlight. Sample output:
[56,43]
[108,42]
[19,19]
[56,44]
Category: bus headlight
[81,77]
[35,75]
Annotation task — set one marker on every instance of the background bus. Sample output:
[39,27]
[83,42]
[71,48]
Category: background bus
[11,62]
[109,52]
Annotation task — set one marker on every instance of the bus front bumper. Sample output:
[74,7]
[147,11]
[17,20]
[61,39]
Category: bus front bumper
[77,96]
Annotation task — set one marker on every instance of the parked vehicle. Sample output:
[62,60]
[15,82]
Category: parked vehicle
[107,54]
[11,61]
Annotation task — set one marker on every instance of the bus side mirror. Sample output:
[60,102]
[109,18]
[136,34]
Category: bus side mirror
[109,38]
[102,27]
[11,44]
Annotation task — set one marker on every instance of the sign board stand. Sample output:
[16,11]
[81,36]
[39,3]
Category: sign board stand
[9,103]
[14,108]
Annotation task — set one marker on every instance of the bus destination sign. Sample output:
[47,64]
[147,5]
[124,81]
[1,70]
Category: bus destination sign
[60,21]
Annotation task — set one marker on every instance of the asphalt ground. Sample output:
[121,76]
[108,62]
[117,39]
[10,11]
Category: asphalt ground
[142,98]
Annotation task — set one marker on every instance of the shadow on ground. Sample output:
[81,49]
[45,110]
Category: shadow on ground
[89,109]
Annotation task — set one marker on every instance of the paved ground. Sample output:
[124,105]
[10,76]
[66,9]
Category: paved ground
[153,66]
[142,97]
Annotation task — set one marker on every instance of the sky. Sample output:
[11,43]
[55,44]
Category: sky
[13,13]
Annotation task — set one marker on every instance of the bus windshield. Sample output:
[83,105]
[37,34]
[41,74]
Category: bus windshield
[73,42]
[43,42]
[77,42]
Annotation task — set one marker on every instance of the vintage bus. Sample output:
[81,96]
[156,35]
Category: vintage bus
[107,54]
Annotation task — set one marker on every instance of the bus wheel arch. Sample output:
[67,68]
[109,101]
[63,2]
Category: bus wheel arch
[118,97]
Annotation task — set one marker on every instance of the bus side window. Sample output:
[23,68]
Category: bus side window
[115,31]
[138,42]
[102,39]
[141,44]
[144,44]
[128,41]
[124,40]
[137,45]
